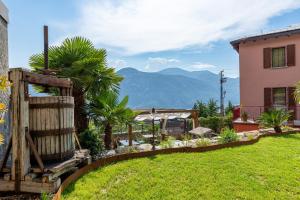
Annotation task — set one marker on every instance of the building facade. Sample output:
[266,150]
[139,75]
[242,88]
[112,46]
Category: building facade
[4,65]
[269,69]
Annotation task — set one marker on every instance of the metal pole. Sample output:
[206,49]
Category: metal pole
[46,45]
[222,92]
[153,131]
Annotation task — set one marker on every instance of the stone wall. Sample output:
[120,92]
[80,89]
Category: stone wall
[4,67]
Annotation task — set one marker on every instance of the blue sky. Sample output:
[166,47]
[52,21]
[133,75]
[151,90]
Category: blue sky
[149,35]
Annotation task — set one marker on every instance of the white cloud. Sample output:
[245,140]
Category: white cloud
[118,64]
[162,61]
[158,63]
[138,26]
[202,66]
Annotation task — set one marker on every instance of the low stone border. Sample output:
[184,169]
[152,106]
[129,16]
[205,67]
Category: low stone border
[121,157]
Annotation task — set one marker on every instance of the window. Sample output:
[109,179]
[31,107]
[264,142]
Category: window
[279,97]
[278,57]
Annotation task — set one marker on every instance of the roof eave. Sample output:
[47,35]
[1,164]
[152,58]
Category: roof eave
[235,43]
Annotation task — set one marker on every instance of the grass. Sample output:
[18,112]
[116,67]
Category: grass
[269,169]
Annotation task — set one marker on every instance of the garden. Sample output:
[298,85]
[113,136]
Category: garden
[268,169]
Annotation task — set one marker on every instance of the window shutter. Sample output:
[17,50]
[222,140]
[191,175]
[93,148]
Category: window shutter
[267,98]
[291,100]
[291,58]
[267,57]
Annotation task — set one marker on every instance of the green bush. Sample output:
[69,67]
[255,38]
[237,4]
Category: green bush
[228,121]
[203,142]
[274,118]
[250,137]
[169,143]
[91,140]
[228,135]
[216,123]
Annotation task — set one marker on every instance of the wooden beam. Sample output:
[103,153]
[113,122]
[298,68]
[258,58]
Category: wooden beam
[129,134]
[46,80]
[35,153]
[19,122]
[77,140]
[46,178]
[140,112]
[196,119]
[31,186]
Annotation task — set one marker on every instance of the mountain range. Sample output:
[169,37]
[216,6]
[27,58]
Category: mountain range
[174,88]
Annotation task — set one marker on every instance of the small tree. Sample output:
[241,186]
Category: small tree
[212,108]
[106,109]
[275,118]
[229,108]
[201,107]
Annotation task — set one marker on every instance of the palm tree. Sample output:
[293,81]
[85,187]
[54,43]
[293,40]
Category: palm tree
[76,58]
[107,110]
[274,118]
[297,92]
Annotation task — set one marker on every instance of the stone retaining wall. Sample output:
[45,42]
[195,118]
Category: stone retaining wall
[4,98]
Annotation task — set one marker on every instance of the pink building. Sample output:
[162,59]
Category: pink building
[269,70]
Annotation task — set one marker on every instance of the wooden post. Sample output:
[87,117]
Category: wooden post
[195,119]
[130,135]
[19,124]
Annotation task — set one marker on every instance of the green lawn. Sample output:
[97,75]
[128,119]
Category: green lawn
[269,169]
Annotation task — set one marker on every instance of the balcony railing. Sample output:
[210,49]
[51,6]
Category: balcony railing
[255,111]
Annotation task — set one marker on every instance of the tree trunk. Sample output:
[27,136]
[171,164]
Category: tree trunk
[80,116]
[108,136]
[277,129]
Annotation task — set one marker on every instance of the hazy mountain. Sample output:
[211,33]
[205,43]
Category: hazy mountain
[173,88]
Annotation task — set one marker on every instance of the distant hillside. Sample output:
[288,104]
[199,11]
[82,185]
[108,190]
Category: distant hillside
[173,88]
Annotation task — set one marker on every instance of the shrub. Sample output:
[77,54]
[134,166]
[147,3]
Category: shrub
[128,149]
[250,137]
[228,121]
[203,142]
[287,128]
[169,143]
[186,139]
[228,135]
[45,196]
[274,118]
[216,123]
[91,140]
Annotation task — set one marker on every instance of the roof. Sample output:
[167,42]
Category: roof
[291,30]
[159,116]
[3,11]
[201,131]
[163,110]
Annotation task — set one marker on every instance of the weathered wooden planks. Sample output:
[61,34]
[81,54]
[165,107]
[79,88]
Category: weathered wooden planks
[51,126]
[41,130]
[19,123]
